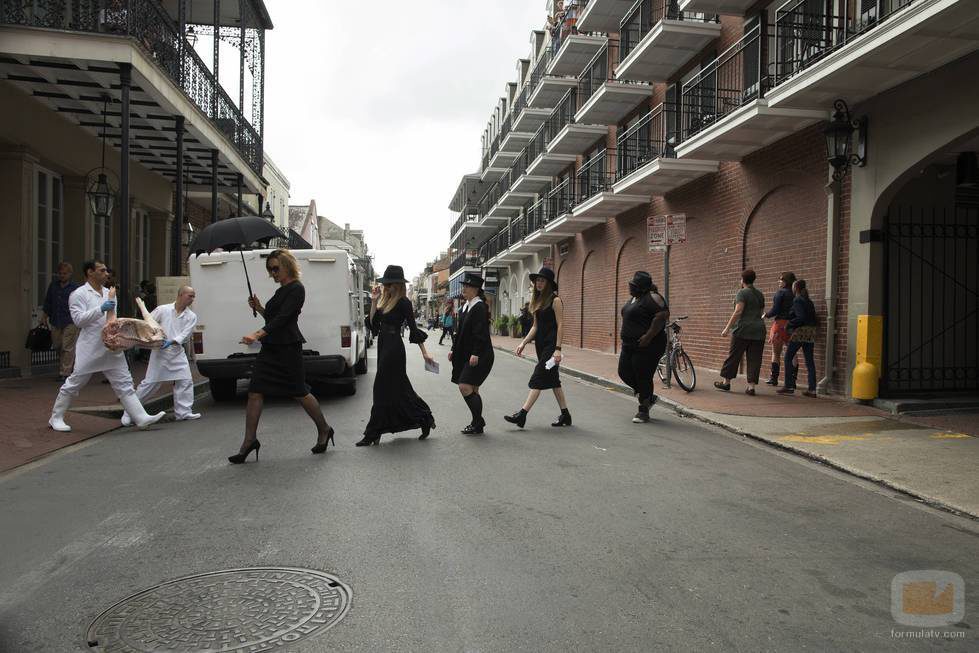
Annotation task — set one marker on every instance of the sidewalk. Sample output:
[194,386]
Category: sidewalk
[26,406]
[931,458]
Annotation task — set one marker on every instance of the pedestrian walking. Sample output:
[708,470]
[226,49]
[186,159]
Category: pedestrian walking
[448,323]
[396,407]
[747,329]
[278,369]
[169,363]
[526,319]
[88,306]
[472,351]
[802,327]
[546,332]
[644,340]
[778,336]
[56,315]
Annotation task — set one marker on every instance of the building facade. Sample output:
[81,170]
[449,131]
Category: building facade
[116,133]
[719,112]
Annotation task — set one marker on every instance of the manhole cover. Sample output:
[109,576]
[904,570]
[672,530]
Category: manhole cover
[257,609]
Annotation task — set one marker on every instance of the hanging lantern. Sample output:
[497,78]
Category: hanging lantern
[101,197]
[839,140]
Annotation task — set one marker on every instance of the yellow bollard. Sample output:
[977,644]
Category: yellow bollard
[865,383]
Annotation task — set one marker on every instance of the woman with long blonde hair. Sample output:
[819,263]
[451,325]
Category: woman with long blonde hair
[547,332]
[396,407]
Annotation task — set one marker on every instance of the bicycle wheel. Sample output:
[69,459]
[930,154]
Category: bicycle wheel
[661,368]
[683,370]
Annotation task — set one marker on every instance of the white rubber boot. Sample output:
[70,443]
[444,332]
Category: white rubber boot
[57,421]
[126,419]
[138,414]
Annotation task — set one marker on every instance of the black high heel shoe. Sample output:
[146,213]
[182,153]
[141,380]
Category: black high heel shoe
[321,446]
[426,430]
[368,441]
[519,418]
[564,419]
[239,458]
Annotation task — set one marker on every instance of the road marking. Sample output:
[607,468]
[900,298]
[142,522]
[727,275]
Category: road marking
[822,439]
[950,436]
[599,448]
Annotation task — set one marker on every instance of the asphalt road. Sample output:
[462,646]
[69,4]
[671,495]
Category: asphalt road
[608,536]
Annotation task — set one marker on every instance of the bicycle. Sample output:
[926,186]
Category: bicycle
[677,359]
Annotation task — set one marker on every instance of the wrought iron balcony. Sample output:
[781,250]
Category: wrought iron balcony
[574,53]
[594,182]
[148,25]
[726,7]
[568,136]
[546,89]
[469,215]
[603,100]
[657,39]
[465,259]
[602,15]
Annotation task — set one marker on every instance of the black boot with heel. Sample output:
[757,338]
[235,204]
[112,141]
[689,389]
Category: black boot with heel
[564,419]
[519,418]
[773,379]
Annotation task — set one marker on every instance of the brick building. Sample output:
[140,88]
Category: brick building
[716,109]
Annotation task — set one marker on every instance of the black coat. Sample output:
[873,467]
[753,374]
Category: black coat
[282,315]
[472,339]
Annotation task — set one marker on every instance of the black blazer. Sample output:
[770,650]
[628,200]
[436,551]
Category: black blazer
[472,334]
[282,315]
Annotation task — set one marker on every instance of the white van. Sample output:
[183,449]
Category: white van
[331,319]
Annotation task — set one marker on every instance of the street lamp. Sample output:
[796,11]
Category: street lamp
[839,140]
[101,195]
[267,213]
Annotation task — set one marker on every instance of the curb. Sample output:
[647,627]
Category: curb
[683,411]
[202,389]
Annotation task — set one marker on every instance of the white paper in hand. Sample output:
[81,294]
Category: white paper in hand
[550,363]
[432,367]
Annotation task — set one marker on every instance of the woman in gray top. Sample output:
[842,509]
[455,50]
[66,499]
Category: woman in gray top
[747,329]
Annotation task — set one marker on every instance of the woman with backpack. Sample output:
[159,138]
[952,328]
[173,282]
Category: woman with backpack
[802,329]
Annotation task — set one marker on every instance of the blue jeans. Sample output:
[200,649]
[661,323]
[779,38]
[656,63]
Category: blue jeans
[792,370]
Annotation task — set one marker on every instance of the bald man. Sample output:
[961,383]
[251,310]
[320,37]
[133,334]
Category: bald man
[169,363]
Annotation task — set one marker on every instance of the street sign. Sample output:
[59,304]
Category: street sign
[664,230]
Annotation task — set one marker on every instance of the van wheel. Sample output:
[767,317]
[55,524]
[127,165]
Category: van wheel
[361,366]
[224,389]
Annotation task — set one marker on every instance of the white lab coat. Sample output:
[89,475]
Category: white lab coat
[171,364]
[91,354]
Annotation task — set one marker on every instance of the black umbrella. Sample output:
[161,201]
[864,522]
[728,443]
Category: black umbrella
[236,233]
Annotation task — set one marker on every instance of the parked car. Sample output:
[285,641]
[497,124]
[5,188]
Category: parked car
[331,320]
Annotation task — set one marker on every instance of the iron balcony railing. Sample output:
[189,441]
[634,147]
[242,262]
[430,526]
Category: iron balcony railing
[596,175]
[805,33]
[484,163]
[645,14]
[648,139]
[598,71]
[560,199]
[150,27]
[537,215]
[518,229]
[734,79]
[465,259]
[469,213]
[562,115]
[540,69]
[538,145]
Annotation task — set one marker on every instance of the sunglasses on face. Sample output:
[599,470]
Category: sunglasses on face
[272,269]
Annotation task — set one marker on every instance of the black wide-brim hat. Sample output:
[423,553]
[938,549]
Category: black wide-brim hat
[642,281]
[393,274]
[472,279]
[545,273]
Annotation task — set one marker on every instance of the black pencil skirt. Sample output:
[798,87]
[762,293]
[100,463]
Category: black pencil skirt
[278,371]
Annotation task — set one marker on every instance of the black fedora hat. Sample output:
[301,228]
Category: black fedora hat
[472,279]
[545,273]
[641,281]
[393,274]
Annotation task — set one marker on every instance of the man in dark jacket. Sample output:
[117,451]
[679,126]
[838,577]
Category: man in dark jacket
[56,316]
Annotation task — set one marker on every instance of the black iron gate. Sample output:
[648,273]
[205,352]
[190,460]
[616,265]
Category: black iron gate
[931,320]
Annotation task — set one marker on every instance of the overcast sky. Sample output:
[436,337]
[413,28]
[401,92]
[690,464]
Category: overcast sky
[375,109]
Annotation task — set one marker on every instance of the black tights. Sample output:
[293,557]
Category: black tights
[475,403]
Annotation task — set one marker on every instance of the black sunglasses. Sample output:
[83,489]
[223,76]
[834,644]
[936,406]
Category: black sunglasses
[273,268]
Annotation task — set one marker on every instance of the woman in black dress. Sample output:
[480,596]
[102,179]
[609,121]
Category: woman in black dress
[472,351]
[547,332]
[278,369]
[644,317]
[396,406]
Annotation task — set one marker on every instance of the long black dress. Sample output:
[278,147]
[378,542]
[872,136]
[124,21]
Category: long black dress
[278,370]
[545,342]
[396,406]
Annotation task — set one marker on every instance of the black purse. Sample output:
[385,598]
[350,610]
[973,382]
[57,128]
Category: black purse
[38,339]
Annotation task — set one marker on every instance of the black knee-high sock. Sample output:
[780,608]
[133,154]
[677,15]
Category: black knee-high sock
[475,403]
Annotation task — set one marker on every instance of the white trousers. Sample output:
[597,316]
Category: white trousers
[120,380]
[183,395]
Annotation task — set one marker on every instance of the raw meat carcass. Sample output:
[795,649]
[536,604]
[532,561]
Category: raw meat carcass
[125,332]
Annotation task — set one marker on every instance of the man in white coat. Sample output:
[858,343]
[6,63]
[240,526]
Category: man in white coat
[169,363]
[88,306]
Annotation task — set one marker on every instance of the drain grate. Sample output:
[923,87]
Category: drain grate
[253,609]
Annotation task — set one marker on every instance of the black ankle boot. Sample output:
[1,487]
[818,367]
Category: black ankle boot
[564,419]
[773,379]
[519,418]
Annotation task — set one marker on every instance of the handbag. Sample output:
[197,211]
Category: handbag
[803,334]
[38,339]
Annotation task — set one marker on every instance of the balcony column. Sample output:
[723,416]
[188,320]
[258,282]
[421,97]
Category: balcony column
[214,186]
[216,58]
[176,256]
[125,85]
[240,180]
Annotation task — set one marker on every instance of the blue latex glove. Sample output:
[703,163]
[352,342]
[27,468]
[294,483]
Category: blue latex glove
[166,343]
[108,305]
